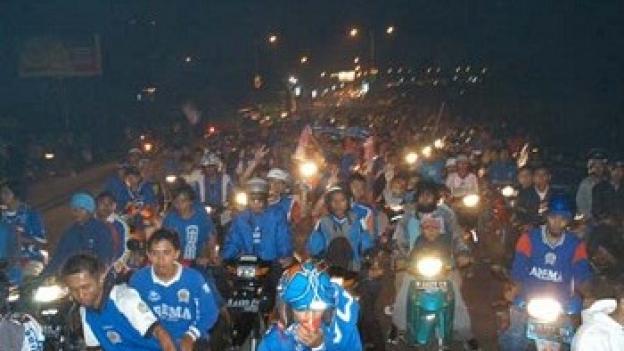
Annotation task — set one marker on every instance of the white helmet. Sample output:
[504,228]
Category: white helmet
[278,174]
[257,186]
[210,159]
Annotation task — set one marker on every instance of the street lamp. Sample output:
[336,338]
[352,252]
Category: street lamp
[390,30]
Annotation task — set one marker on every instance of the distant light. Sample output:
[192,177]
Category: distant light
[292,80]
[323,74]
[467,69]
[297,91]
[342,85]
[357,68]
[188,59]
[455,77]
[333,87]
[139,97]
[304,59]
[483,70]
[435,82]
[390,30]
[211,130]
[429,69]
[284,114]
[365,87]
[390,70]
[48,156]
[400,70]
[438,70]
[458,69]
[356,60]
[353,32]
[150,90]
[314,94]
[272,38]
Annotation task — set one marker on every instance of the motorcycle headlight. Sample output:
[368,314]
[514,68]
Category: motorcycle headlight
[241,199]
[51,293]
[308,169]
[208,209]
[429,266]
[427,151]
[438,144]
[471,200]
[147,147]
[508,191]
[246,272]
[546,310]
[171,178]
[411,157]
[48,156]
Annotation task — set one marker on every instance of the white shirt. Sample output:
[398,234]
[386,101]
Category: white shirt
[599,332]
[462,186]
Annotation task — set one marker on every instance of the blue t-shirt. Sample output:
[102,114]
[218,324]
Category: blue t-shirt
[194,232]
[542,267]
[122,322]
[28,222]
[184,305]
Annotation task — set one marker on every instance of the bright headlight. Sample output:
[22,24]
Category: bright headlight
[429,266]
[241,199]
[48,156]
[411,157]
[471,200]
[427,151]
[546,310]
[308,169]
[171,178]
[508,191]
[438,144]
[208,209]
[49,293]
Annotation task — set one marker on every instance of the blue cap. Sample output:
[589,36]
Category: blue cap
[83,201]
[559,205]
[308,289]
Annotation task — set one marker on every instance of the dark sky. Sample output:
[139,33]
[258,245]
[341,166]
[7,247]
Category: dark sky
[565,53]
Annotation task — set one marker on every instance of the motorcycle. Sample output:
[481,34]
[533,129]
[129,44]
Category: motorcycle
[549,325]
[430,305]
[248,303]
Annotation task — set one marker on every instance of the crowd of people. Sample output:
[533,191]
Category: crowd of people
[367,194]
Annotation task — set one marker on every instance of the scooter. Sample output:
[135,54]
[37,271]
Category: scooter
[549,325]
[430,304]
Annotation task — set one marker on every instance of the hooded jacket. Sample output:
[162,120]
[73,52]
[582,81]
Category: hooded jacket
[599,332]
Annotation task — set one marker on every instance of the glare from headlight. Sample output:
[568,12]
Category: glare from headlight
[427,151]
[49,293]
[308,169]
[546,310]
[471,200]
[241,199]
[411,157]
[171,178]
[508,191]
[429,266]
[208,209]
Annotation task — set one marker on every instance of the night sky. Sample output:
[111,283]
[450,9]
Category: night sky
[565,56]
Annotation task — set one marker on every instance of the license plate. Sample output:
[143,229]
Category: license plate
[430,285]
[537,331]
[247,305]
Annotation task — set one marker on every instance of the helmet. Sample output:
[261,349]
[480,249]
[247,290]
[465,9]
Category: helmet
[307,286]
[278,174]
[334,190]
[559,205]
[257,186]
[210,159]
[461,158]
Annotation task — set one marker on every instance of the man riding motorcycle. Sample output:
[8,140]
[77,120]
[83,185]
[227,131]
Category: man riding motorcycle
[105,212]
[137,194]
[179,296]
[28,225]
[532,202]
[463,182]
[192,224]
[215,187]
[549,259]
[86,234]
[114,317]
[314,314]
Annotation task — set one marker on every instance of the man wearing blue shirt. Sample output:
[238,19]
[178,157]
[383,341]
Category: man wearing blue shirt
[549,260]
[279,197]
[27,224]
[257,230]
[137,194]
[192,224]
[85,235]
[114,317]
[179,296]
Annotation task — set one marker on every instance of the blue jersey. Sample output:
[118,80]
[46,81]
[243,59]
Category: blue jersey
[340,334]
[144,195]
[289,207]
[116,186]
[216,192]
[367,214]
[27,222]
[353,229]
[193,232]
[265,235]
[184,305]
[542,267]
[122,322]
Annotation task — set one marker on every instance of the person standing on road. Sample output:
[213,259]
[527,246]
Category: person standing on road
[86,235]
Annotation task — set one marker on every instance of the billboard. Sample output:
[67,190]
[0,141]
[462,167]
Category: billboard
[52,56]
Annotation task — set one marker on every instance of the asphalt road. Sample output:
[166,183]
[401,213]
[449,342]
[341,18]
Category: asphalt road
[51,197]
